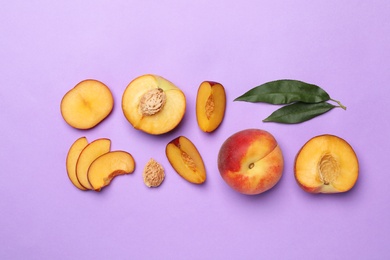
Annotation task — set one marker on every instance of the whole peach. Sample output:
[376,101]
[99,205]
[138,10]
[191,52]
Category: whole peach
[251,161]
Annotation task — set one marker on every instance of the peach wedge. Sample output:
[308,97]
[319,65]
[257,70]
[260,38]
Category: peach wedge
[92,151]
[104,168]
[210,105]
[87,104]
[71,160]
[186,160]
[326,164]
[153,104]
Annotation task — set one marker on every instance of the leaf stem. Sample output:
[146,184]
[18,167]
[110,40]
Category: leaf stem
[338,102]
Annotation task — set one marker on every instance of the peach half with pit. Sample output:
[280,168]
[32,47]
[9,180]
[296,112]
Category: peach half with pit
[87,104]
[210,105]
[153,104]
[251,161]
[326,164]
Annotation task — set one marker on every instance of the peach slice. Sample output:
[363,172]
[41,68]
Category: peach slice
[104,168]
[71,160]
[210,105]
[186,160]
[326,164]
[153,104]
[92,151]
[87,104]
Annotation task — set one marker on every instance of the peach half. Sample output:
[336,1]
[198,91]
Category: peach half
[210,105]
[71,160]
[87,104]
[251,161]
[186,160]
[104,168]
[326,164]
[153,104]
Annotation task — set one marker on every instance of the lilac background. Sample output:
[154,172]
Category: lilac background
[46,47]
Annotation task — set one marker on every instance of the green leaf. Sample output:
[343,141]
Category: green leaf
[299,112]
[285,92]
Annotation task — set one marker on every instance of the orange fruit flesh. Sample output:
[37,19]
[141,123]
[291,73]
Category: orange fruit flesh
[186,160]
[87,104]
[210,106]
[71,160]
[104,168]
[326,164]
[92,151]
[164,120]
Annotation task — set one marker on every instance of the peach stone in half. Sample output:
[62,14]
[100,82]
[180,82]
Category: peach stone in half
[326,164]
[153,104]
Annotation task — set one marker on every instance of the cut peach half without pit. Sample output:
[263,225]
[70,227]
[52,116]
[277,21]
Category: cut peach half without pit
[326,164]
[104,168]
[87,104]
[92,151]
[210,105]
[186,160]
[71,160]
[153,104]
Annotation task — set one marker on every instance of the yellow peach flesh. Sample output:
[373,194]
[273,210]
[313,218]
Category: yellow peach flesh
[71,160]
[210,106]
[165,119]
[326,164]
[186,160]
[92,151]
[104,168]
[87,104]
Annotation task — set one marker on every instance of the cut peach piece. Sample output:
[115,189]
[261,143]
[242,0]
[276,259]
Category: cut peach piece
[71,160]
[210,105]
[104,168]
[186,160]
[92,151]
[326,164]
[87,104]
[153,104]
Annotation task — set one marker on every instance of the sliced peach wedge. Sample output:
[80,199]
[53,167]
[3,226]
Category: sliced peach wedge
[186,160]
[71,160]
[326,164]
[87,104]
[153,104]
[92,151]
[210,105]
[104,168]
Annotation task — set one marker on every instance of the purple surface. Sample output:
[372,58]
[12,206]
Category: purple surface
[46,48]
